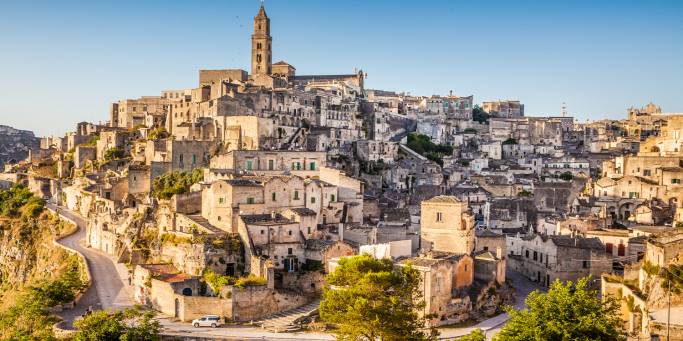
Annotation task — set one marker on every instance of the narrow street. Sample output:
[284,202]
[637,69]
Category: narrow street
[108,290]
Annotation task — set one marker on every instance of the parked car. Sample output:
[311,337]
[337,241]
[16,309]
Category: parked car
[212,321]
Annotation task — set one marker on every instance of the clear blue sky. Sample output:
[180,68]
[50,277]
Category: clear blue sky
[62,62]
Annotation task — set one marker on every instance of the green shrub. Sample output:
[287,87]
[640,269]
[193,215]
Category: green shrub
[216,281]
[19,199]
[251,280]
[172,183]
[113,153]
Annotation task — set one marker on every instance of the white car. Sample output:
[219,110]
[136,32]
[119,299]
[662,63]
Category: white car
[212,321]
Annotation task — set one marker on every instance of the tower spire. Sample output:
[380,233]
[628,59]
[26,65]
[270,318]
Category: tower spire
[261,50]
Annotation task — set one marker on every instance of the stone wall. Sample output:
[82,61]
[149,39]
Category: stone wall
[187,203]
[255,302]
[192,307]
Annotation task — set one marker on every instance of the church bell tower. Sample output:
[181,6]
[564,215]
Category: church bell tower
[261,49]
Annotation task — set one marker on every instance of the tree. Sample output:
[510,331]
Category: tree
[566,176]
[371,299]
[570,311]
[479,115]
[128,325]
[475,335]
[510,141]
[169,184]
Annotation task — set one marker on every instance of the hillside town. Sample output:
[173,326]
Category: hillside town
[236,196]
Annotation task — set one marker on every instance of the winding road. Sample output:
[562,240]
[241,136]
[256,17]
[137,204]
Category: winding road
[107,290]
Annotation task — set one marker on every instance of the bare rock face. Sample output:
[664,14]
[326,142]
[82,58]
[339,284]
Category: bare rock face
[15,144]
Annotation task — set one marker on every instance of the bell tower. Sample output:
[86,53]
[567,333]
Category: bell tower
[261,49]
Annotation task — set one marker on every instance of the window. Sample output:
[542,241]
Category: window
[647,172]
[289,251]
[262,232]
[250,164]
[289,232]
[675,181]
[585,264]
[312,166]
[273,196]
[309,230]
[271,165]
[250,200]
[296,195]
[312,200]
[332,197]
[527,253]
[535,255]
[221,200]
[439,216]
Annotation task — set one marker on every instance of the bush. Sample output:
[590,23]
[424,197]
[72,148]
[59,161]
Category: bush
[172,183]
[28,318]
[113,153]
[19,199]
[216,281]
[157,133]
[479,115]
[423,145]
[251,280]
[524,193]
[131,324]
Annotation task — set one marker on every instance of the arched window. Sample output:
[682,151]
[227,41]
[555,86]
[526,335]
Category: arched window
[258,58]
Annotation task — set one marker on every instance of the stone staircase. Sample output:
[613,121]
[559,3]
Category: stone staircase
[286,321]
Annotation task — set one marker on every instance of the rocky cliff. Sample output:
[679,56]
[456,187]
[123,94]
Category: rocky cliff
[15,144]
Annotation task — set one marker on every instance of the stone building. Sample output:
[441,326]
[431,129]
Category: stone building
[544,259]
[445,279]
[508,109]
[446,225]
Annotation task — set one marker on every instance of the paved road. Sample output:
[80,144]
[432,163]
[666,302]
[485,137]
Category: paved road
[108,291]
[174,328]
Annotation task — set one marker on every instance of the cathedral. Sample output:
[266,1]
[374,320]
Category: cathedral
[281,74]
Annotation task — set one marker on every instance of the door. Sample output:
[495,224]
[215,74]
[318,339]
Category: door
[621,251]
